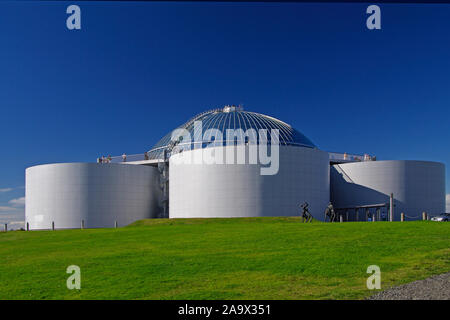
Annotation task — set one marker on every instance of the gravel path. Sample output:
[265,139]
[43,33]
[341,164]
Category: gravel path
[433,288]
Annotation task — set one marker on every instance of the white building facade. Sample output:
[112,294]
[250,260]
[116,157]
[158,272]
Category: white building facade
[417,186]
[96,195]
[163,183]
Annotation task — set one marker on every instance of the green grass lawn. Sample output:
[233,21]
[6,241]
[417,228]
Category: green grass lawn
[248,258]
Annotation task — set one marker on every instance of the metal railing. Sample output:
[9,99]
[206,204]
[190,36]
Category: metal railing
[123,158]
[334,156]
[350,157]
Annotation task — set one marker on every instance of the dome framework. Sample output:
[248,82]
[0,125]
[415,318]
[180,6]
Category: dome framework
[231,118]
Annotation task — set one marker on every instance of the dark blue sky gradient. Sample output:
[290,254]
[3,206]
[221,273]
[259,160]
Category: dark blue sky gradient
[137,70]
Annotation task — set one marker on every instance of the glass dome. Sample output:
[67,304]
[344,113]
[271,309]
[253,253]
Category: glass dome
[230,117]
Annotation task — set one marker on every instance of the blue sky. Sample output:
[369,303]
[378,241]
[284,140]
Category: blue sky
[137,70]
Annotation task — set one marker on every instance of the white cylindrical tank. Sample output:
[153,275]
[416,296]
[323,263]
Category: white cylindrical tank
[417,185]
[98,194]
[239,190]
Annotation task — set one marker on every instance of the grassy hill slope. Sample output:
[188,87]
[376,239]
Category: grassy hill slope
[254,258]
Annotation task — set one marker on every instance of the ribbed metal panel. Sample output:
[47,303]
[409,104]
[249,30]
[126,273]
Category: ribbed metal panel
[237,119]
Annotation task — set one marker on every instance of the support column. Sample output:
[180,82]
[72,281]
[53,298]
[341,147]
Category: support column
[391,207]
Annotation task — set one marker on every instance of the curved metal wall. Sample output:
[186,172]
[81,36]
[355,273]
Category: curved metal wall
[417,185]
[99,194]
[239,190]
